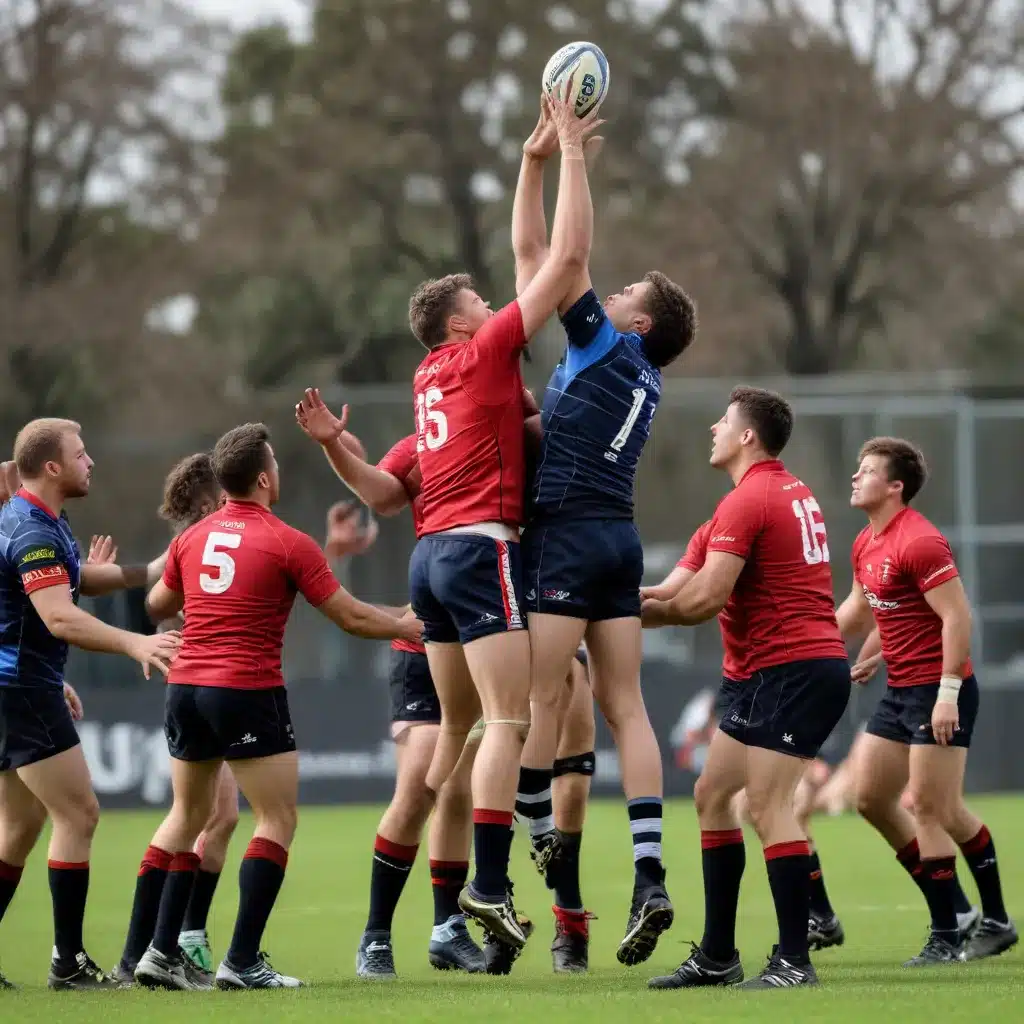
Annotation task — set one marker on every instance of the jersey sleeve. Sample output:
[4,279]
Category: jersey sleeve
[858,546]
[928,561]
[401,459]
[696,551]
[307,566]
[491,360]
[586,320]
[737,522]
[38,556]
[172,569]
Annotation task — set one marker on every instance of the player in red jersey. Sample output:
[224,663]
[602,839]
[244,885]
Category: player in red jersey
[786,683]
[235,574]
[824,928]
[906,581]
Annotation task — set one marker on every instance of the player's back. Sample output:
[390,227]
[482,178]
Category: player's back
[596,417]
[469,428]
[239,570]
[37,549]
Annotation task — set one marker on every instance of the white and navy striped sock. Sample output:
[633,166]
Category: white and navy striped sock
[533,801]
[645,826]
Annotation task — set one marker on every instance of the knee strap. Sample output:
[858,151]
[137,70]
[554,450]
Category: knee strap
[578,764]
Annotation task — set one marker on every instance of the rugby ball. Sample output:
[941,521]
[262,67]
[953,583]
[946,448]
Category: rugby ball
[590,66]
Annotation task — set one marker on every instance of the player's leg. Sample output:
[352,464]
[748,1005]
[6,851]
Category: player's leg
[614,654]
[22,818]
[212,849]
[448,843]
[716,961]
[570,791]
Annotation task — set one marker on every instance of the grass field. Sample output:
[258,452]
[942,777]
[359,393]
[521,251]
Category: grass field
[322,909]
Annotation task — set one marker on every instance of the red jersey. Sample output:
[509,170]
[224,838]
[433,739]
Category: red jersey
[782,607]
[239,570]
[469,427]
[402,463]
[896,569]
[697,550]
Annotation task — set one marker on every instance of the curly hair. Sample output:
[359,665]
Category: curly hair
[191,492]
[673,319]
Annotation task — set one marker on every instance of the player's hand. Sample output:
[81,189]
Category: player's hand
[543,141]
[865,670]
[317,420]
[412,628]
[10,481]
[655,593]
[346,535]
[572,130]
[945,722]
[102,551]
[73,702]
[156,651]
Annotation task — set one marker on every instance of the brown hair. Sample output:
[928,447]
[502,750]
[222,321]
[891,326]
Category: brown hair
[673,319]
[190,491]
[432,304]
[40,442]
[239,457]
[904,462]
[768,414]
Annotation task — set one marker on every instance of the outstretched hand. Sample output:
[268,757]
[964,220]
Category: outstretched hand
[572,131]
[543,141]
[313,416]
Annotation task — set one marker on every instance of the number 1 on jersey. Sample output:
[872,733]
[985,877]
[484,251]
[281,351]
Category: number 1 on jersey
[219,560]
[812,531]
[620,439]
[432,423]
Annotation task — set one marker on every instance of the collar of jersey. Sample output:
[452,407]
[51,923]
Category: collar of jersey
[38,502]
[766,466]
[242,503]
[892,522]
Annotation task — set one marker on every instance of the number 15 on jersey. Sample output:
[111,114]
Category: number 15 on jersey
[431,423]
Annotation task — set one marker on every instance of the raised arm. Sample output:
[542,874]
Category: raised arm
[529,226]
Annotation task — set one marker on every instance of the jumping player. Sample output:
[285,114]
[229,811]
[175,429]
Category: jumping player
[786,683]
[582,556]
[906,581]
[235,575]
[42,768]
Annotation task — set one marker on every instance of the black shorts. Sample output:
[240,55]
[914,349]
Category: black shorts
[789,708]
[413,697]
[465,586]
[904,714]
[34,724]
[587,569]
[208,723]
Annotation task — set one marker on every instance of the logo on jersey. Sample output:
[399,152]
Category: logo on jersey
[938,572]
[878,604]
[556,595]
[55,573]
[886,566]
[231,524]
[723,539]
[37,554]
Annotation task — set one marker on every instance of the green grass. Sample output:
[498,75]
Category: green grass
[322,909]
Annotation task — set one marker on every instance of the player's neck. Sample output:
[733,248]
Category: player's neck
[744,461]
[882,516]
[47,494]
[261,498]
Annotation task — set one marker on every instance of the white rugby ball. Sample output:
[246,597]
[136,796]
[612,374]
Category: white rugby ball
[590,66]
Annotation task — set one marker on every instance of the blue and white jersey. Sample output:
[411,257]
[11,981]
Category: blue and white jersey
[596,419]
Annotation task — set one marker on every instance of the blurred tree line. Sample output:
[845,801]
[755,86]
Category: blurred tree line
[190,220]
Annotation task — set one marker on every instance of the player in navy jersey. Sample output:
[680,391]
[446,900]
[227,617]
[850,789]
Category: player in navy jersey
[582,558]
[42,767]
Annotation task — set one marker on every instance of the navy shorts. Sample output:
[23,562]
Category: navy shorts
[904,714]
[790,708]
[413,697]
[209,723]
[34,724]
[465,586]
[587,569]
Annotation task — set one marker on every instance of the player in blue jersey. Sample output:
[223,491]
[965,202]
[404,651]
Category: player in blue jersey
[582,556]
[42,767]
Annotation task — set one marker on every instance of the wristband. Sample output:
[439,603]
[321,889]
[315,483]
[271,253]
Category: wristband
[949,689]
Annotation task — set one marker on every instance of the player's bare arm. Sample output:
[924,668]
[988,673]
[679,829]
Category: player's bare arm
[163,603]
[854,615]
[529,226]
[65,620]
[702,598]
[669,586]
[384,493]
[869,658]
[106,576]
[366,620]
[949,601]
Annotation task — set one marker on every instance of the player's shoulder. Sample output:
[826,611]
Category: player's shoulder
[914,530]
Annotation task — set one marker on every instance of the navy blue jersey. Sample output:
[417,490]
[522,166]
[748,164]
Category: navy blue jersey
[37,550]
[596,419]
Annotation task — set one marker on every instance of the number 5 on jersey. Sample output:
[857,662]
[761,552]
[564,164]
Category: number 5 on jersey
[219,560]
[812,530]
[432,423]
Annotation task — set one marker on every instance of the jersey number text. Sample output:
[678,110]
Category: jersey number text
[620,439]
[812,530]
[219,560]
[432,423]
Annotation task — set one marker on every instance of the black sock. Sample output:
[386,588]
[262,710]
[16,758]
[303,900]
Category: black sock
[259,881]
[565,871]
[392,863]
[819,895]
[790,880]
[69,889]
[492,843]
[645,826]
[938,873]
[723,858]
[980,854]
[10,876]
[149,887]
[533,800]
[910,859]
[960,901]
[174,901]
[447,879]
[197,912]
